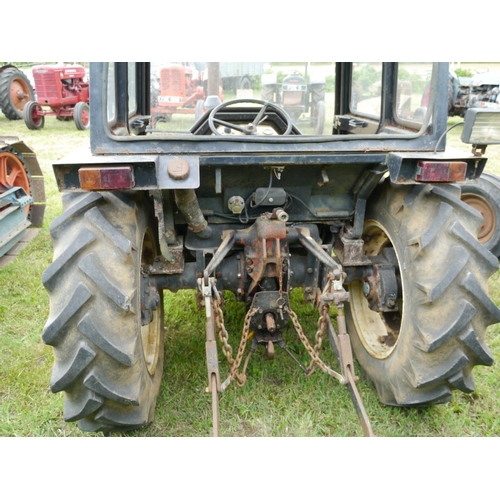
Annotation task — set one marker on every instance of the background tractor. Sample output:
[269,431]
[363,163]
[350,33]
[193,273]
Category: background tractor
[176,88]
[481,90]
[62,88]
[15,91]
[298,94]
[179,88]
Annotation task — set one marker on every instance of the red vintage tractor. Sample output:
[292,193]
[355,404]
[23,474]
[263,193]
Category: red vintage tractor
[176,89]
[62,88]
[179,88]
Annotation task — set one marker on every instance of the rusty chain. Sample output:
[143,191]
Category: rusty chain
[323,321]
[320,334]
[223,335]
[313,352]
[315,360]
[324,309]
[234,364]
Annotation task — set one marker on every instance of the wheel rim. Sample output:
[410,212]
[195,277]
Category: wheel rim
[13,174]
[486,210]
[150,333]
[378,332]
[36,115]
[19,93]
[84,116]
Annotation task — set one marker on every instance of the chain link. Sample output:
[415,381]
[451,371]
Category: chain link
[320,335]
[223,335]
[234,364]
[313,351]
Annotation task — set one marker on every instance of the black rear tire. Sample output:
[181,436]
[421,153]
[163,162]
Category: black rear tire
[245,83]
[268,93]
[107,362]
[485,198]
[318,118]
[15,92]
[317,93]
[418,355]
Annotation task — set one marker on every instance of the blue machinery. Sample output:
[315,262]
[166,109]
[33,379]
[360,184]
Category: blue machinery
[13,217]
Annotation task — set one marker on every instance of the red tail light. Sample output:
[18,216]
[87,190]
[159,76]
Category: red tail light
[441,171]
[103,178]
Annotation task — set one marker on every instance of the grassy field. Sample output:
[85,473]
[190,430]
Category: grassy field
[278,400]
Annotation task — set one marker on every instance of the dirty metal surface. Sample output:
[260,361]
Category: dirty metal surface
[14,252]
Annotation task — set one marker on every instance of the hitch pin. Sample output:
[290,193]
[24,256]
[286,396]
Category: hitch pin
[206,291]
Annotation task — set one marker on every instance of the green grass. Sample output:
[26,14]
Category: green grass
[278,399]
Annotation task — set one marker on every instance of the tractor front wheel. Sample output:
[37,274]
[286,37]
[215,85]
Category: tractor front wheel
[106,319]
[416,355]
[81,115]
[33,116]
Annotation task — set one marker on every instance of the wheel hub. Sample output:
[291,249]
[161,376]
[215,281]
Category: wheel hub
[19,94]
[13,174]
[486,210]
[376,303]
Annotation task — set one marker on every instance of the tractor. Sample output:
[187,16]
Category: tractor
[178,89]
[62,88]
[366,219]
[479,91]
[298,95]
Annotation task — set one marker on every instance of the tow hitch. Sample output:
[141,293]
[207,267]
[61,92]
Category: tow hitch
[268,311]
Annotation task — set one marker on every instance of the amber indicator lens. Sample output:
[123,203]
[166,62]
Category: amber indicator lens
[441,171]
[96,178]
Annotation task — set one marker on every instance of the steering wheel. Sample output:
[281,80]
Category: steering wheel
[251,128]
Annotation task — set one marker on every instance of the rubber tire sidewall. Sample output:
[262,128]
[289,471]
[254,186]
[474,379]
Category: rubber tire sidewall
[80,108]
[6,78]
[430,358]
[28,116]
[119,326]
[488,187]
